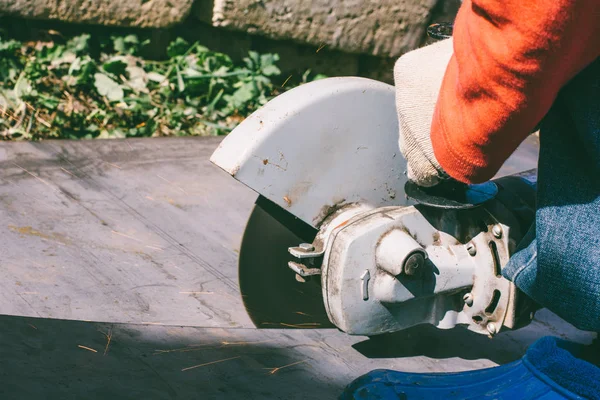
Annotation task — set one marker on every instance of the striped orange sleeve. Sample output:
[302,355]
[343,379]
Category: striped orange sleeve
[511,58]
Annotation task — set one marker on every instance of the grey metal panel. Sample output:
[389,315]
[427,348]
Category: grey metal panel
[123,231]
[127,231]
[41,358]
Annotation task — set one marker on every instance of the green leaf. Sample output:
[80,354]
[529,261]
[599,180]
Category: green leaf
[48,102]
[199,49]
[119,45]
[22,87]
[128,44]
[211,107]
[177,48]
[192,73]
[269,59]
[116,66]
[83,91]
[268,65]
[305,75]
[180,83]
[81,71]
[92,128]
[131,39]
[68,57]
[108,88]
[79,44]
[137,78]
[253,60]
[242,95]
[9,46]
[4,100]
[156,77]
[262,80]
[271,70]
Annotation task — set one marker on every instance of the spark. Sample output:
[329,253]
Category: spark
[171,183]
[69,162]
[183,349]
[137,240]
[127,236]
[108,339]
[196,347]
[112,165]
[273,371]
[87,348]
[286,81]
[34,175]
[226,343]
[209,363]
[69,172]
[300,326]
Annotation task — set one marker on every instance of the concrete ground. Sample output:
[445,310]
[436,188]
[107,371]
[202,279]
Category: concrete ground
[119,280]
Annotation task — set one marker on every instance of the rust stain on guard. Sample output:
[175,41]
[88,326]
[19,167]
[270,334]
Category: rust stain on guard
[287,200]
[342,224]
[327,210]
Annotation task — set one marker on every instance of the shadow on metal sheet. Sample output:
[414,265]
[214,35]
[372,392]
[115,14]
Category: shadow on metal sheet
[60,359]
[429,341]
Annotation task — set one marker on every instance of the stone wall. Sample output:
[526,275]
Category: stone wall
[335,37]
[384,28]
[381,28]
[134,13]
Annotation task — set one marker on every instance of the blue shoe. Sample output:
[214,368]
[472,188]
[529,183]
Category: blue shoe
[549,370]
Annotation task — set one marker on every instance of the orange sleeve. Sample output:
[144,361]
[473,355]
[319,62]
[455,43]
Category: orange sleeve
[511,58]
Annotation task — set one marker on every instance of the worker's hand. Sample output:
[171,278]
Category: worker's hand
[418,77]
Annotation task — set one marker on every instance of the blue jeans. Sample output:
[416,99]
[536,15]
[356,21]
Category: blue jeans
[559,265]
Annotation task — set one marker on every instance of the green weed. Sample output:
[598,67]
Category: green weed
[105,89]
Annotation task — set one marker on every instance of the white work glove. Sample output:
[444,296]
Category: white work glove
[418,77]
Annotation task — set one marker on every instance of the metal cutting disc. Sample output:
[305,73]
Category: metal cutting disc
[272,296]
[452,194]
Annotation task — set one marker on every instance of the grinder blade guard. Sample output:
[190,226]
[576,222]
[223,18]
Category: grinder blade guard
[369,259]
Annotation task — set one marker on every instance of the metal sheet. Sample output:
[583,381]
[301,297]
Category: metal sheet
[128,231]
[64,210]
[58,359]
